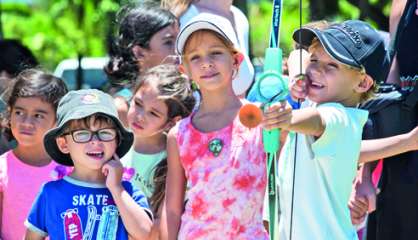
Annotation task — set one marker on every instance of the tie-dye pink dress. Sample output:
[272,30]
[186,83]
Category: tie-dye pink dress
[226,174]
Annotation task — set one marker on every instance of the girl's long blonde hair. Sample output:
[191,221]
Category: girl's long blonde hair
[177,7]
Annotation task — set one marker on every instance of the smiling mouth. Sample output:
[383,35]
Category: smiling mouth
[316,85]
[97,155]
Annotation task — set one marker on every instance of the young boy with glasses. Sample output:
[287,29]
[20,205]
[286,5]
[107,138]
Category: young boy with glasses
[92,202]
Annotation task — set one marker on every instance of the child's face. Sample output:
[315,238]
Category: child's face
[209,62]
[147,115]
[161,45]
[30,118]
[331,81]
[89,147]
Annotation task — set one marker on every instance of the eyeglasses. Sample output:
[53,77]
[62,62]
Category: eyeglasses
[85,135]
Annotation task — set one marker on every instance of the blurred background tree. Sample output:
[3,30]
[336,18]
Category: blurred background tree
[59,29]
[376,12]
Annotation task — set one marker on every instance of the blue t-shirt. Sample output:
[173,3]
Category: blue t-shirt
[72,209]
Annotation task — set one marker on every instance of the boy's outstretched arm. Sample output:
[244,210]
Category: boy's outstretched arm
[307,120]
[136,220]
[375,149]
[175,189]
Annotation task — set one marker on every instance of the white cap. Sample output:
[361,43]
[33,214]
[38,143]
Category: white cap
[224,27]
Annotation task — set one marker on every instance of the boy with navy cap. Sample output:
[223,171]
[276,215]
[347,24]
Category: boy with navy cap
[92,202]
[345,61]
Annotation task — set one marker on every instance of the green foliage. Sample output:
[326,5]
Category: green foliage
[260,21]
[260,24]
[59,29]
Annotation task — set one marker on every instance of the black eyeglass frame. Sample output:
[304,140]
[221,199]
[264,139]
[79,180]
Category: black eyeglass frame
[93,133]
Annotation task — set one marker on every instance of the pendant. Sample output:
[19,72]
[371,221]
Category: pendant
[215,146]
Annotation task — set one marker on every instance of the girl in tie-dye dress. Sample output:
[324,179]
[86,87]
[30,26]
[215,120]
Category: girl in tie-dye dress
[221,162]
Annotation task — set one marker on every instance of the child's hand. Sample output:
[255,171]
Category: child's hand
[113,170]
[277,115]
[362,200]
[298,87]
[294,61]
[358,209]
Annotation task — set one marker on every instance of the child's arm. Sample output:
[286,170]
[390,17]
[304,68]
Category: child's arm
[135,219]
[307,120]
[372,150]
[155,231]
[175,188]
[32,235]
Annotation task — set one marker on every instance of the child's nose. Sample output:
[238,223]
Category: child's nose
[27,121]
[140,116]
[207,62]
[95,139]
[313,71]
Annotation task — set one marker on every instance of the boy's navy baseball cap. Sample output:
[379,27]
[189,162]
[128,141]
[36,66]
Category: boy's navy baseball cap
[78,105]
[352,42]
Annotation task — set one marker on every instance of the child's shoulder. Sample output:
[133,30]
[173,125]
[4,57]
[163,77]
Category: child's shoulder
[7,155]
[338,110]
[54,184]
[182,125]
[3,159]
[339,120]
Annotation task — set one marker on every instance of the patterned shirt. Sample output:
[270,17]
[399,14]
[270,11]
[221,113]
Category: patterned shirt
[226,174]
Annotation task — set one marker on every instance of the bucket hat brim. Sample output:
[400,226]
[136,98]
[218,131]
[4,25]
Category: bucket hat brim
[126,137]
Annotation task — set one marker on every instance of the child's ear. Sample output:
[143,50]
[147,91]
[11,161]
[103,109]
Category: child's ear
[364,85]
[175,120]
[238,58]
[139,52]
[62,145]
[181,68]
[172,122]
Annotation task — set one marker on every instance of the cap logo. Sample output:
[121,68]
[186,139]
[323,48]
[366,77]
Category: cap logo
[90,98]
[353,35]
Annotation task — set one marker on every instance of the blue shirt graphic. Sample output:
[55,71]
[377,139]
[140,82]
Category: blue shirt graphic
[76,210]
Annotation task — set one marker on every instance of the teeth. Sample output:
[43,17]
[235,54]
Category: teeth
[98,154]
[316,84]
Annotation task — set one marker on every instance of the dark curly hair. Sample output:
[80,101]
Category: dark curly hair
[137,24]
